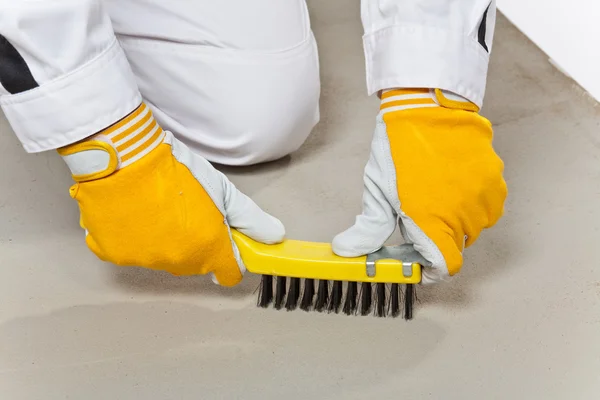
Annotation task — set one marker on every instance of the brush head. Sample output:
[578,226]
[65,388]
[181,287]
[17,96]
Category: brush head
[351,298]
[310,276]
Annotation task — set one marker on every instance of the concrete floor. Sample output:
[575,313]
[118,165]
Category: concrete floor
[521,321]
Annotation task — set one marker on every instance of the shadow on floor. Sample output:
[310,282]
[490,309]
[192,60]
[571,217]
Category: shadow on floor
[168,349]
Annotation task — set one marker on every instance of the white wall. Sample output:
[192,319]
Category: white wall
[568,31]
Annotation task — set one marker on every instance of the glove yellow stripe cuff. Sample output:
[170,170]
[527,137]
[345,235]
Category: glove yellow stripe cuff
[122,135]
[146,147]
[136,137]
[404,99]
[126,122]
[115,147]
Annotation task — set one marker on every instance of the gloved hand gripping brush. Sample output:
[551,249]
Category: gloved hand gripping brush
[147,201]
[432,171]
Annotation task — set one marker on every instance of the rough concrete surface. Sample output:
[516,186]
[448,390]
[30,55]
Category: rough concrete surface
[522,320]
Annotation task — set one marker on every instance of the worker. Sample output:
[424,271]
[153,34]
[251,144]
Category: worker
[140,97]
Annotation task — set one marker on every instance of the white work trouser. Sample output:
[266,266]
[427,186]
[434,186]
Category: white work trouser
[236,80]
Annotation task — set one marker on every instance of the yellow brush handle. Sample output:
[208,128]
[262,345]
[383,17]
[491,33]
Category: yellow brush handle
[299,259]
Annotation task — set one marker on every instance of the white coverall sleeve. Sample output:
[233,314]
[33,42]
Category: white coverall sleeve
[442,44]
[63,75]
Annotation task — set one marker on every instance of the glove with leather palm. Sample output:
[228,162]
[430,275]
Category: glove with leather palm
[146,200]
[433,170]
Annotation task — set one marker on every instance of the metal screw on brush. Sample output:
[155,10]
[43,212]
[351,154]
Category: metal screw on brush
[408,256]
[404,253]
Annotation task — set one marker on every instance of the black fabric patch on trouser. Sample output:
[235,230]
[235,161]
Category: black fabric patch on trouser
[15,75]
[482,30]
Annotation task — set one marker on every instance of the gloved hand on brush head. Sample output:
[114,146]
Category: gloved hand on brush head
[146,200]
[433,170]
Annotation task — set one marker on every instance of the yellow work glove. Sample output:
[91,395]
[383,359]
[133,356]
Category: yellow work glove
[433,170]
[146,200]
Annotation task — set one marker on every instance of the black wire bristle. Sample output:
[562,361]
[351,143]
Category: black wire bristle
[293,294]
[365,298]
[322,295]
[380,300]
[351,294]
[280,292]
[265,296]
[395,300]
[409,298]
[309,294]
[336,297]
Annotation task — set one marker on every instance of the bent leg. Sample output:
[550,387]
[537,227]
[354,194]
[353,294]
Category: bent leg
[237,81]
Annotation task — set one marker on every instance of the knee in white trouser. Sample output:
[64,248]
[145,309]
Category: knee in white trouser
[247,124]
[231,107]
[266,129]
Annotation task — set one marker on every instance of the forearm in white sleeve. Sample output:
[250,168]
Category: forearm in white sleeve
[442,44]
[63,75]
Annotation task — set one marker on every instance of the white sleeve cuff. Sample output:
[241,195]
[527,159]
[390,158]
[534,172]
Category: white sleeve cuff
[74,106]
[425,56]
